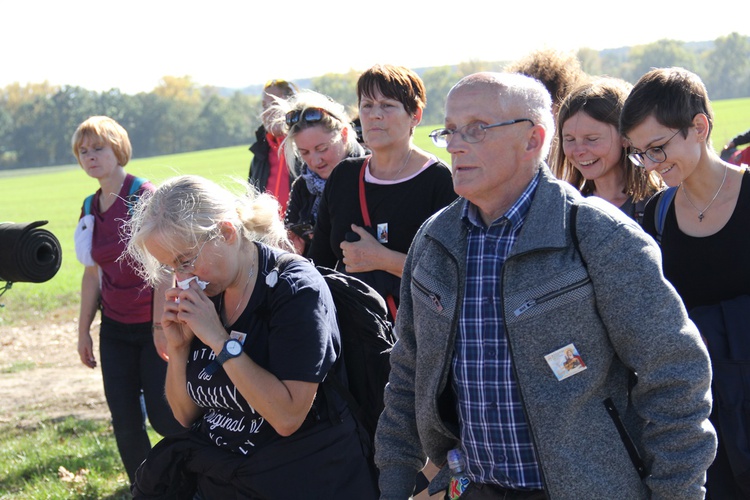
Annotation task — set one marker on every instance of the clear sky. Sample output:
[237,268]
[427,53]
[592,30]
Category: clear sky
[130,45]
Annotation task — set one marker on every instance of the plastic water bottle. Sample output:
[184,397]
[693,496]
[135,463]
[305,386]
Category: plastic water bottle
[459,481]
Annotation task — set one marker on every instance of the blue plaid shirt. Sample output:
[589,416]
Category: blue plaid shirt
[494,432]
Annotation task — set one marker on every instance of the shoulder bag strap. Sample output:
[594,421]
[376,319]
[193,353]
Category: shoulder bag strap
[662,207]
[389,300]
[362,197]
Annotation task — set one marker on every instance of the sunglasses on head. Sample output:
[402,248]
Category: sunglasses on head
[309,115]
[288,88]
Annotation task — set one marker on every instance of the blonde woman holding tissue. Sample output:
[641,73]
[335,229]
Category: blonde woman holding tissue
[250,338]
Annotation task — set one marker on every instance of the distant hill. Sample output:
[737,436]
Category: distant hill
[619,54]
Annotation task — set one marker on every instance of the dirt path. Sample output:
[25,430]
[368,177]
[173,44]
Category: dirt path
[41,376]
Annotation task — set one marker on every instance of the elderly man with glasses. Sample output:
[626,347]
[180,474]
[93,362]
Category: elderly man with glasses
[501,290]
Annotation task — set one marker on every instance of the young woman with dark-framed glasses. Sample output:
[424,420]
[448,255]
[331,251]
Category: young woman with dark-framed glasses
[701,223]
[372,207]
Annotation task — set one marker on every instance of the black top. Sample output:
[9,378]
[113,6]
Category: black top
[302,201]
[706,270]
[291,332]
[396,211]
[741,139]
[260,165]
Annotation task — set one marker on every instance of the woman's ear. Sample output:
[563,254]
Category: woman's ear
[227,231]
[417,117]
[700,122]
[344,134]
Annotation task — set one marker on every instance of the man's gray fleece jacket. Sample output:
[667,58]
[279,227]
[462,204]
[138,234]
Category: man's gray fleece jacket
[618,311]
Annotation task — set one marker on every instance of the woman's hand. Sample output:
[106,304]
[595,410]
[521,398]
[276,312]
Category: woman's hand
[368,254]
[297,242]
[177,334]
[86,350]
[195,314]
[362,255]
[89,306]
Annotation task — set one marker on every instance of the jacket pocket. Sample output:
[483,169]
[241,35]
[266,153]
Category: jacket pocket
[433,297]
[430,294]
[563,290]
[627,441]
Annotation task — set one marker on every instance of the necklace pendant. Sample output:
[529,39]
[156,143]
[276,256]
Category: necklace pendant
[700,217]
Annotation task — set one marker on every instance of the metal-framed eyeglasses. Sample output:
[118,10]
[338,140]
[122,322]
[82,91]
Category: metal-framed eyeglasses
[472,133]
[186,266]
[656,154]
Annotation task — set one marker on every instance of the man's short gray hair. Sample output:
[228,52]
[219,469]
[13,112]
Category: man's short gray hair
[521,94]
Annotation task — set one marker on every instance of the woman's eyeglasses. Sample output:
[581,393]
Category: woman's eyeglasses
[656,154]
[309,115]
[184,267]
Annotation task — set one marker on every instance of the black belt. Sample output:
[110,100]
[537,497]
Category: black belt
[480,491]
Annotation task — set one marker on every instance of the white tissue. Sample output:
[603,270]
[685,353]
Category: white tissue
[185,284]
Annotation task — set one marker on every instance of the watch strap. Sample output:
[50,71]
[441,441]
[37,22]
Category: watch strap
[225,355]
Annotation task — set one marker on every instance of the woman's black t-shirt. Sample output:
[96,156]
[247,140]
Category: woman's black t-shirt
[396,212]
[290,330]
[706,270]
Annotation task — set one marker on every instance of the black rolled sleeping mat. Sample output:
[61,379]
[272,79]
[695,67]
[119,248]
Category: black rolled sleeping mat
[28,253]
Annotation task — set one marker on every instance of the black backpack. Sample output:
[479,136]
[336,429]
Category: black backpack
[366,339]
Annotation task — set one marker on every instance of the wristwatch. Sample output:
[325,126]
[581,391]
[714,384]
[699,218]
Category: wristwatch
[232,348]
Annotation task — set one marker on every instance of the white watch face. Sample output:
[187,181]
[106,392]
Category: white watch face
[234,348]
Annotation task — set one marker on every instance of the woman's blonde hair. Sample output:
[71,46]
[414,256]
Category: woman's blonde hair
[187,211]
[107,131]
[334,120]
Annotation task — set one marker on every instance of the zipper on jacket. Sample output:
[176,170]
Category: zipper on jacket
[549,296]
[532,434]
[445,369]
[630,447]
[435,298]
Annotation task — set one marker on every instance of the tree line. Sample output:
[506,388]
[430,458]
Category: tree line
[37,120]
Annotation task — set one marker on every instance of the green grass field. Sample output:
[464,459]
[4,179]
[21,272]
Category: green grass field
[55,194]
[66,459]
[731,117]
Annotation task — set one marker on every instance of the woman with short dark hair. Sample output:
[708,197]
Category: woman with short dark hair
[372,207]
[701,221]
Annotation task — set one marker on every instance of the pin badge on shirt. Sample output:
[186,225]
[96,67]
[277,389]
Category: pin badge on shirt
[565,362]
[383,232]
[234,334]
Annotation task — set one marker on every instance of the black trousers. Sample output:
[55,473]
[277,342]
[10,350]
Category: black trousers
[133,375]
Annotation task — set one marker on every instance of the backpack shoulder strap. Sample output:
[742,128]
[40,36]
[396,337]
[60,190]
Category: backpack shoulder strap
[136,185]
[281,262]
[87,204]
[574,231]
[331,379]
[132,197]
[662,207]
